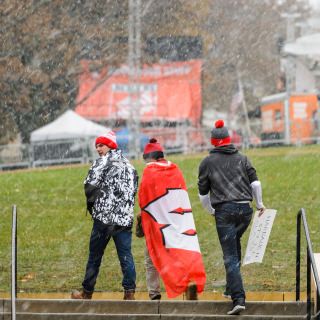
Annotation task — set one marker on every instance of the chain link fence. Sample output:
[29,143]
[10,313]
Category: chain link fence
[178,139]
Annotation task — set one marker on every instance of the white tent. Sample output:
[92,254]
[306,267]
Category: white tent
[68,126]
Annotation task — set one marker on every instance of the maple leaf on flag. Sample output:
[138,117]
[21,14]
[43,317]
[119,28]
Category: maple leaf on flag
[190,232]
[180,211]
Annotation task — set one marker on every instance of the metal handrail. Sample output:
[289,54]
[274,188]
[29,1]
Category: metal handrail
[310,263]
[14,262]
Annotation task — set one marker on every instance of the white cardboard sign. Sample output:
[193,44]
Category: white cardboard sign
[259,236]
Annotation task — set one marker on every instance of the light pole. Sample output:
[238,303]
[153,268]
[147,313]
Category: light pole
[134,60]
[245,111]
[288,70]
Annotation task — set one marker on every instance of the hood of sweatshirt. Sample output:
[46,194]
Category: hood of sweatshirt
[229,149]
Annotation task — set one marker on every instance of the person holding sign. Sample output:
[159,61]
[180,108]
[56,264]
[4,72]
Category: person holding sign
[227,184]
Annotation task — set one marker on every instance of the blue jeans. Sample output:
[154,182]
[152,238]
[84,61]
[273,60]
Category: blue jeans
[232,220]
[100,236]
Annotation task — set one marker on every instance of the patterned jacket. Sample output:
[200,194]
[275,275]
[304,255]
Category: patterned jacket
[110,188]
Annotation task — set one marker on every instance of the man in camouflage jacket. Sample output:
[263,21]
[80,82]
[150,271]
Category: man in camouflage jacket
[110,188]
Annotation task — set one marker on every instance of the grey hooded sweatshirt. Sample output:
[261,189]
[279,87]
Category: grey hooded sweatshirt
[227,175]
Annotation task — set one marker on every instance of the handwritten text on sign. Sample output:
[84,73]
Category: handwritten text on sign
[259,236]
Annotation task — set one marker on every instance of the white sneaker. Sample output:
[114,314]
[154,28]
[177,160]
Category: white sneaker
[226,295]
[236,309]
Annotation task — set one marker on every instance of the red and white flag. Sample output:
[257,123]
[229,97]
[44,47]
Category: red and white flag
[169,228]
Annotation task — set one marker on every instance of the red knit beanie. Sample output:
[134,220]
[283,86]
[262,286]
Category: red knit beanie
[220,134]
[152,146]
[108,139]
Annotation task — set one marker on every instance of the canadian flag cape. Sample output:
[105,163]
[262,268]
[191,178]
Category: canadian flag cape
[169,228]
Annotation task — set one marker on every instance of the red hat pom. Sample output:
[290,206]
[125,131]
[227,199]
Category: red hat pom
[152,146]
[219,124]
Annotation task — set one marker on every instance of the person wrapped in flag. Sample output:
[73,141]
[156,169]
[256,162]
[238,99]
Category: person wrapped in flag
[172,248]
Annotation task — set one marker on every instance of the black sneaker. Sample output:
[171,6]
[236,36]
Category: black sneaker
[237,309]
[156,297]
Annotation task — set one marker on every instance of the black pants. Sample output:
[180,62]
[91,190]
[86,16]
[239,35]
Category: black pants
[232,220]
[100,236]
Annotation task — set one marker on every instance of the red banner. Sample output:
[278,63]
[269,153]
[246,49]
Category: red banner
[170,91]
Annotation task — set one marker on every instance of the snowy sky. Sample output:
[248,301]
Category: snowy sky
[315,4]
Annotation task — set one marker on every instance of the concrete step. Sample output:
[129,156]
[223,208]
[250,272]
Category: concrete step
[40,309]
[76,316]
[141,295]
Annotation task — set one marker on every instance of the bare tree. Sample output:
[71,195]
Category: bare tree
[43,42]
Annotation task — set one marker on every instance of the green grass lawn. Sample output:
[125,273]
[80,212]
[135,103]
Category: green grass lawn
[53,230]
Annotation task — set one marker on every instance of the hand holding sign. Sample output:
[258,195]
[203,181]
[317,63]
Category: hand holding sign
[259,236]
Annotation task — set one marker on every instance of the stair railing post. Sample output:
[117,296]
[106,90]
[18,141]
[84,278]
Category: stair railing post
[14,262]
[308,286]
[318,305]
[298,255]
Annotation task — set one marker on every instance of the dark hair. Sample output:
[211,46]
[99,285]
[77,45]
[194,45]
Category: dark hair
[153,155]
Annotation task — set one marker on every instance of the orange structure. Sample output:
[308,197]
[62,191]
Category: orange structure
[302,117]
[168,91]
